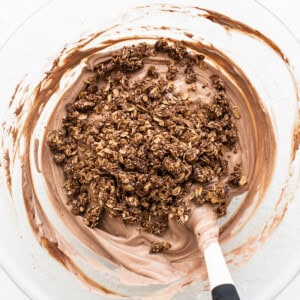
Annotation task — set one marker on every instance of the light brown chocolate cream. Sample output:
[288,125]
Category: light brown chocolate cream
[126,245]
[203,223]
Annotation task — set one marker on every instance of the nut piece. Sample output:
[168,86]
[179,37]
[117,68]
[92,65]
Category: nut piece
[158,247]
[236,112]
[243,181]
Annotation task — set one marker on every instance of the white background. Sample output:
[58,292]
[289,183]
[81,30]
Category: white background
[13,13]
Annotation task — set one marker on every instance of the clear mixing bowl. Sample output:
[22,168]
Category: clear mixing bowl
[262,249]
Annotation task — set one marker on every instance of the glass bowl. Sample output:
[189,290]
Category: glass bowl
[261,246]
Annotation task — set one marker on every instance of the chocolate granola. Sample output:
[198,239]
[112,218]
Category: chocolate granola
[136,148]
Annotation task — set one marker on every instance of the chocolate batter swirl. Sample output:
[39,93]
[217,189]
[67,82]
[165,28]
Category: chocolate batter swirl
[144,134]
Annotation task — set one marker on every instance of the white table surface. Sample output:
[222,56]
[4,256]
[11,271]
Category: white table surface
[13,13]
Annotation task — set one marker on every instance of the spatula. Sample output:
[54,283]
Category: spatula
[203,223]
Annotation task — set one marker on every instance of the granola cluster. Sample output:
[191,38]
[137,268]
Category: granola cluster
[136,148]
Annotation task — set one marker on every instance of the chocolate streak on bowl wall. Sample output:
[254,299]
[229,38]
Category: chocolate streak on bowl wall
[7,169]
[261,142]
[231,24]
[50,84]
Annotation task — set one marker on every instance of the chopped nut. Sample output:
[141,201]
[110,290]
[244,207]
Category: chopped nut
[84,105]
[55,140]
[176,191]
[152,72]
[218,83]
[203,65]
[59,158]
[193,87]
[172,71]
[190,75]
[203,174]
[236,112]
[158,247]
[198,191]
[185,96]
[243,181]
[236,179]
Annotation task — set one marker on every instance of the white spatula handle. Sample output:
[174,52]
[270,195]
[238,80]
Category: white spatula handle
[221,283]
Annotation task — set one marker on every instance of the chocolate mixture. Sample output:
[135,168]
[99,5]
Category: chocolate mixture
[139,148]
